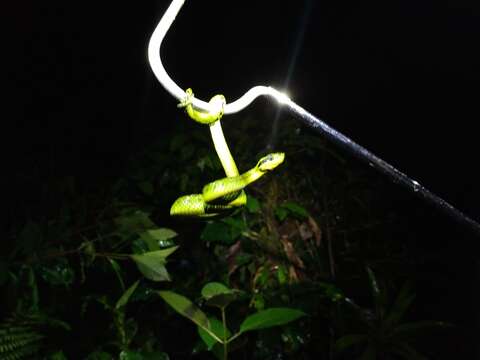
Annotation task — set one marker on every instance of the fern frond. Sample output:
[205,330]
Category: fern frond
[18,340]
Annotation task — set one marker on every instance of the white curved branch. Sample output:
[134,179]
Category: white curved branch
[176,91]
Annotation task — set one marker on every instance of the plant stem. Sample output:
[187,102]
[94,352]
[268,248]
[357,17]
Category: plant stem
[225,343]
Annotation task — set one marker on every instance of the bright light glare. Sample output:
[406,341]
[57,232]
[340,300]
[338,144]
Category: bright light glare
[282,98]
[176,91]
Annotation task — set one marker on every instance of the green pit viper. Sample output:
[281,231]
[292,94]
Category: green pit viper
[222,196]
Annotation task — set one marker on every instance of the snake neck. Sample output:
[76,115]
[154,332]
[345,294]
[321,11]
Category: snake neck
[251,175]
[222,150]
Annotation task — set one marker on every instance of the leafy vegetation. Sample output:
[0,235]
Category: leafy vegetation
[306,270]
[212,330]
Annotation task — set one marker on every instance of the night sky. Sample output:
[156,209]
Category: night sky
[401,78]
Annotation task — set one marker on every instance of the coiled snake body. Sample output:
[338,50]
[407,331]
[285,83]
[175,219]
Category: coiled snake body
[220,197]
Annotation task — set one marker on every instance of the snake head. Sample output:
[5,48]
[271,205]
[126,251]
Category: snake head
[187,100]
[270,161]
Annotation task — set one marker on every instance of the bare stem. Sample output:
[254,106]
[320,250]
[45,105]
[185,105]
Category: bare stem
[225,342]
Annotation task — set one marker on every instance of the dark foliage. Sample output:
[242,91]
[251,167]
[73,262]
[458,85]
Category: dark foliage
[81,278]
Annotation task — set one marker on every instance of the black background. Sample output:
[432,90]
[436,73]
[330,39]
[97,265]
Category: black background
[401,78]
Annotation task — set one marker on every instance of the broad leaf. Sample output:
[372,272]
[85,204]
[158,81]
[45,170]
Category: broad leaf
[217,328]
[217,294]
[269,318]
[158,238]
[214,288]
[126,295]
[186,308]
[162,234]
[253,206]
[152,264]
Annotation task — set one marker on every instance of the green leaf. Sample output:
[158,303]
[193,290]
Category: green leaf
[294,210]
[152,264]
[158,238]
[401,305]
[164,252]
[139,246]
[162,234]
[282,274]
[377,293]
[243,259]
[269,318]
[281,213]
[118,272]
[218,294]
[214,288]
[133,223]
[237,226]
[348,341]
[258,302]
[186,308]
[217,328]
[130,355]
[253,205]
[151,268]
[126,295]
